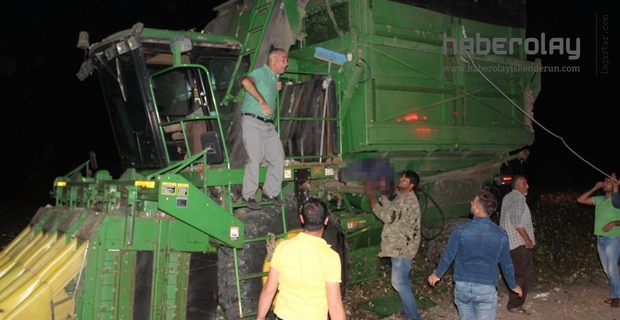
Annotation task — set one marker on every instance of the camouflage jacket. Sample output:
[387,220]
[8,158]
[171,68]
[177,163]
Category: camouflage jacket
[401,236]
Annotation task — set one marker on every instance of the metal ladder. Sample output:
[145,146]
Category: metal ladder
[259,20]
[240,278]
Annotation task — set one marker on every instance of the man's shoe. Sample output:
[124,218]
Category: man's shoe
[615,303]
[274,200]
[252,204]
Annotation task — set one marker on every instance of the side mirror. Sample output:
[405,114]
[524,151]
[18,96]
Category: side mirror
[93,160]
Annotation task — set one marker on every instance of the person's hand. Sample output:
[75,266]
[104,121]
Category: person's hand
[598,185]
[609,226]
[279,85]
[433,279]
[369,188]
[265,107]
[518,291]
[529,244]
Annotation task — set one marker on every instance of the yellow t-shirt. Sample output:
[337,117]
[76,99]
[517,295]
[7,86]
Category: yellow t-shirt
[304,263]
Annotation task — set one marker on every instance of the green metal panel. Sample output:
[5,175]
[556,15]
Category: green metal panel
[411,100]
[184,201]
[127,269]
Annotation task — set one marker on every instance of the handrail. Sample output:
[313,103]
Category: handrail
[213,102]
[178,166]
[78,169]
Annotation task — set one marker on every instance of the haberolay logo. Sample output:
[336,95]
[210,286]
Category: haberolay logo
[479,45]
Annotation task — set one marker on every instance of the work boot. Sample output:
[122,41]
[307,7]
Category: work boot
[275,200]
[615,303]
[252,204]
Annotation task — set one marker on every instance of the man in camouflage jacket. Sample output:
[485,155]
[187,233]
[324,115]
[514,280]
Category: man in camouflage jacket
[400,238]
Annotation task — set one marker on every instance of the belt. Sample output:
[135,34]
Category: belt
[257,117]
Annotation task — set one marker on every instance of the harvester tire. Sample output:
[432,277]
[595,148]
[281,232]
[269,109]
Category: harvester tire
[335,236]
[249,260]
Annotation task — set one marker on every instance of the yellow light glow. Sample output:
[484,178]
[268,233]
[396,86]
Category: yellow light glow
[61,184]
[145,184]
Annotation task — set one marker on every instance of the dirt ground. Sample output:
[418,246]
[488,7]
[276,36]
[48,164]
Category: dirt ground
[579,299]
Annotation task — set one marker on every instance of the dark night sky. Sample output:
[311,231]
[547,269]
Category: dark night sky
[51,120]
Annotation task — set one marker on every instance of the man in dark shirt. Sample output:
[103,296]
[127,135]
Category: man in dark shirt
[476,248]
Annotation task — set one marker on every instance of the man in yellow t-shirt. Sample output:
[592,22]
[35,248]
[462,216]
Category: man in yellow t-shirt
[306,272]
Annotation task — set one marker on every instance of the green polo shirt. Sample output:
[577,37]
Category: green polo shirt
[265,81]
[604,213]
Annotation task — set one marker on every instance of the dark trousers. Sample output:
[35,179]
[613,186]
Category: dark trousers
[524,268]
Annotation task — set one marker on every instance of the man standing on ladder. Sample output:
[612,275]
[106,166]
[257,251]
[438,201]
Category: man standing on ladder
[260,138]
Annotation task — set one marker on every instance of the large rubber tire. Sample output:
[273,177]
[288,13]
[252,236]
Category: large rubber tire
[337,239]
[249,260]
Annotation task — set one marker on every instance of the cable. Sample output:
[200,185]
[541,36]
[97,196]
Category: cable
[369,71]
[471,61]
[443,218]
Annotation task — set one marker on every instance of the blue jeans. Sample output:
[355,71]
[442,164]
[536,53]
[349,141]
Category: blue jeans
[608,252]
[400,281]
[475,301]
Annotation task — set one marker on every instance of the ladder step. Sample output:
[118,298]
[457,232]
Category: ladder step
[244,205]
[249,314]
[263,6]
[253,276]
[255,30]
[265,238]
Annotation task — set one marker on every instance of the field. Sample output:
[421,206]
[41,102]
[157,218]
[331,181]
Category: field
[568,282]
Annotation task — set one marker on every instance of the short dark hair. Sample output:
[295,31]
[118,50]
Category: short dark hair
[314,213]
[488,200]
[515,179]
[412,176]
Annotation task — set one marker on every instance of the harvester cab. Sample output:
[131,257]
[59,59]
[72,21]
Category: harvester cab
[162,94]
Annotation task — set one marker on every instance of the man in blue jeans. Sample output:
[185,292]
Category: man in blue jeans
[476,248]
[400,238]
[608,238]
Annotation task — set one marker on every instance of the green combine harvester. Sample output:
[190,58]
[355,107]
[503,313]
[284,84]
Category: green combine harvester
[367,79]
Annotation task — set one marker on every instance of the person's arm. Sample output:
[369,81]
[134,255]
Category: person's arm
[250,86]
[267,294]
[611,225]
[446,259]
[505,262]
[526,238]
[380,210]
[586,197]
[334,301]
[515,211]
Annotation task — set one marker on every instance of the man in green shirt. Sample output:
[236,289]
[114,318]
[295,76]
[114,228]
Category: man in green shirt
[608,238]
[260,138]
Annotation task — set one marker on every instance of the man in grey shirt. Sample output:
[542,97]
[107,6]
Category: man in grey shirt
[517,221]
